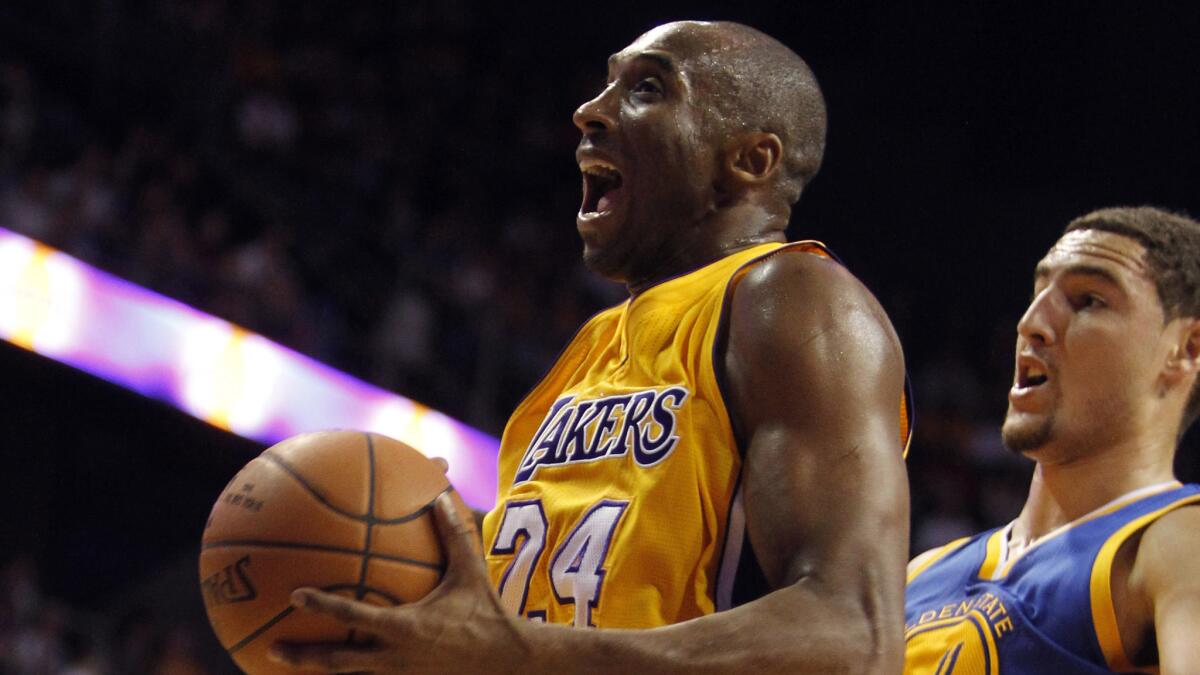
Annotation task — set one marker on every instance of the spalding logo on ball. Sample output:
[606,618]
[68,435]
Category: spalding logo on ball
[344,511]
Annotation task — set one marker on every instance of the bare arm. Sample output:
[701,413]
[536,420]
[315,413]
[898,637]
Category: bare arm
[815,376]
[1167,570]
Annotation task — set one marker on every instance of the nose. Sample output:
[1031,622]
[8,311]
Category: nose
[1037,324]
[596,115]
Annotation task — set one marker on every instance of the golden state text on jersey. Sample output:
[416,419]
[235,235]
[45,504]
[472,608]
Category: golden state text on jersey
[618,502]
[972,609]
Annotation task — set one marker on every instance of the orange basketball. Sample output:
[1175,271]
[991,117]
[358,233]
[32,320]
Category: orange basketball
[344,511]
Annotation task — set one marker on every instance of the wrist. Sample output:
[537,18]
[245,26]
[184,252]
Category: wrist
[525,645]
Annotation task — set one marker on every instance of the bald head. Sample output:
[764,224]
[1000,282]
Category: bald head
[749,82]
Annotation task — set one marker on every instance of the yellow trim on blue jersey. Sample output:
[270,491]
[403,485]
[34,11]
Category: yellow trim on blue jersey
[923,561]
[1114,505]
[995,549]
[1104,613]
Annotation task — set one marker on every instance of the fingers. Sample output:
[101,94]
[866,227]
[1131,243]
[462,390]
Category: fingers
[459,536]
[334,657]
[350,612]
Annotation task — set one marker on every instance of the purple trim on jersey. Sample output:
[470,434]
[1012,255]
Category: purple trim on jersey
[515,551]
[601,573]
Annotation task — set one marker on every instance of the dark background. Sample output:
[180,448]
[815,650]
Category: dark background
[390,187]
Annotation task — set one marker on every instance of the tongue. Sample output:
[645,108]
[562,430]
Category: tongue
[607,200]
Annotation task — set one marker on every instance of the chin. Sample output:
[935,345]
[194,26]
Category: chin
[1026,437]
[602,265]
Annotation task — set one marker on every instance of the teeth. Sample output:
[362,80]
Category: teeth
[600,168]
[1034,372]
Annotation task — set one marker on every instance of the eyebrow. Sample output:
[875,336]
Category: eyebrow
[1042,271]
[663,60]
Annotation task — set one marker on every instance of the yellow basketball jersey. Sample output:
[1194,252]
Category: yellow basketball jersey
[618,499]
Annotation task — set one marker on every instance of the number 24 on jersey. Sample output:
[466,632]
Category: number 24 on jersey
[576,567]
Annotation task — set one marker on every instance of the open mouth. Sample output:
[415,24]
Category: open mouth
[601,181]
[1030,376]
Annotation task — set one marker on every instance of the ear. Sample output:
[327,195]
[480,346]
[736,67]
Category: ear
[753,158]
[1184,359]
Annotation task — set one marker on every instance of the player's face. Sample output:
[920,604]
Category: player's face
[1089,348]
[648,163]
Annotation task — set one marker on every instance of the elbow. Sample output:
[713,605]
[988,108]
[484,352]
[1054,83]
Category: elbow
[887,656]
[853,636]
[882,645]
[875,640]
[867,652]
[875,649]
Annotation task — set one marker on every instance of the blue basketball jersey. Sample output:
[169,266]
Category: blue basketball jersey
[971,609]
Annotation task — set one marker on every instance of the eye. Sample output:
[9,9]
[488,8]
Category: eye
[1089,301]
[649,87]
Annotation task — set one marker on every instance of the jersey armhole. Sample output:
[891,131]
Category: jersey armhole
[1104,613]
[738,565]
[722,335]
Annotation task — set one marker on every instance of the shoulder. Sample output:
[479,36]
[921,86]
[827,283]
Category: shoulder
[792,297]
[1165,529]
[797,269]
[1156,590]
[810,348]
[1169,552]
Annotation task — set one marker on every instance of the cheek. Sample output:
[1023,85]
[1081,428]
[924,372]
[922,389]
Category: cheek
[673,157]
[681,185]
[1113,367]
[661,158]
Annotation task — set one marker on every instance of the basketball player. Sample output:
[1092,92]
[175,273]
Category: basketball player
[1101,570]
[729,438]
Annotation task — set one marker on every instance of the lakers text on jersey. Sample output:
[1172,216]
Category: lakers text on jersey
[619,473]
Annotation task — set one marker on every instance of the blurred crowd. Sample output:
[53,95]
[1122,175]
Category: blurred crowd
[397,207]
[383,186]
[40,635]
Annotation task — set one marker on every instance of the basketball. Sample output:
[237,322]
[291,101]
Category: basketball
[344,511]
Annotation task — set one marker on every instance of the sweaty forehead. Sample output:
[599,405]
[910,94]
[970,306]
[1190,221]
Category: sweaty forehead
[681,41]
[1096,248]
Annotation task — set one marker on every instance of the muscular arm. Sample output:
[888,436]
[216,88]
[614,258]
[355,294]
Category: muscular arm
[1167,572]
[814,375]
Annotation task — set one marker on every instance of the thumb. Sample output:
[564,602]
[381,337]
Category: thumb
[458,536]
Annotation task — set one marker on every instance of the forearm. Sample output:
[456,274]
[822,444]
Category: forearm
[798,629]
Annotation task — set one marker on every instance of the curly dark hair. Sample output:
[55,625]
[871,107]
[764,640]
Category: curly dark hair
[1172,243]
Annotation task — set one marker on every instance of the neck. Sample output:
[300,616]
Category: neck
[723,232]
[1061,492]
